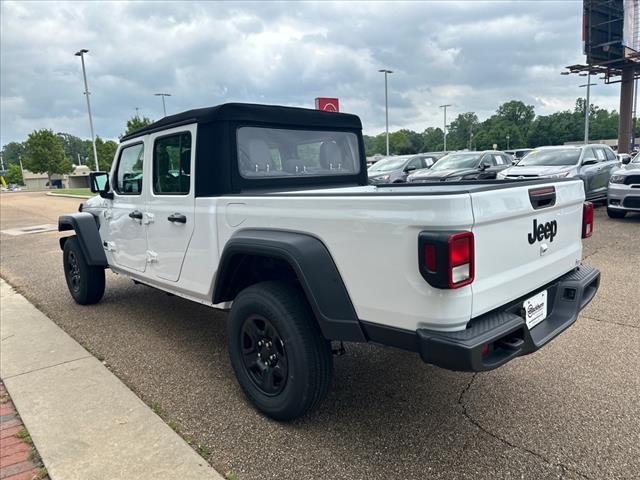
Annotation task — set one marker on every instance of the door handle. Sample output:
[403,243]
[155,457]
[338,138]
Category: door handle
[137,214]
[177,218]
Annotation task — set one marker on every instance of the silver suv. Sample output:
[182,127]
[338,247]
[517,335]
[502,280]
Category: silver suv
[591,163]
[395,169]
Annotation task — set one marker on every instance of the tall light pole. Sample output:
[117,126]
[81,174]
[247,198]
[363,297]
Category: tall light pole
[164,107]
[587,105]
[444,148]
[80,53]
[386,103]
[508,137]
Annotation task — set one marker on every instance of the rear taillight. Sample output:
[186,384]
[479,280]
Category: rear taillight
[587,219]
[460,266]
[446,258]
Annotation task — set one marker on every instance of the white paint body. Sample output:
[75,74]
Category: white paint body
[373,240]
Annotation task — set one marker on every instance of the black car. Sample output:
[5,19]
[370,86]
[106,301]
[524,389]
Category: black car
[458,166]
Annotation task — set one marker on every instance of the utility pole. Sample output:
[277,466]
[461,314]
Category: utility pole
[1,163]
[79,161]
[386,103]
[626,100]
[444,149]
[164,107]
[80,53]
[508,137]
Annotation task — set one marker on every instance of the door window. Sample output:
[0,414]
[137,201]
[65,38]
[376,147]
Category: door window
[588,154]
[129,170]
[416,163]
[610,154]
[172,164]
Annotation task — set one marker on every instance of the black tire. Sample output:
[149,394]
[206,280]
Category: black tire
[85,282]
[277,313]
[616,213]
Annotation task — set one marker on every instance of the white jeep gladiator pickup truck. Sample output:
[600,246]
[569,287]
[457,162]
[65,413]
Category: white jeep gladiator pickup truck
[267,211]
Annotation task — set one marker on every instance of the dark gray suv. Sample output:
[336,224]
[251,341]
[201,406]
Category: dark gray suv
[591,163]
[395,169]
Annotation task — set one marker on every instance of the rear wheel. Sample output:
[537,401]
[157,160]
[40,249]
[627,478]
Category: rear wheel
[85,282]
[277,351]
[616,213]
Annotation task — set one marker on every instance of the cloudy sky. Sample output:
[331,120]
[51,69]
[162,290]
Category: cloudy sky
[473,55]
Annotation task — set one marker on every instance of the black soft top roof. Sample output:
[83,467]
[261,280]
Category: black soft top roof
[253,112]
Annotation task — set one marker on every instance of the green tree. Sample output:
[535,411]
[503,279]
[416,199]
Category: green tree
[14,174]
[75,147]
[12,152]
[461,131]
[136,123]
[106,151]
[44,154]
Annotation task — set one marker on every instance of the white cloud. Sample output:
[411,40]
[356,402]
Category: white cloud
[474,55]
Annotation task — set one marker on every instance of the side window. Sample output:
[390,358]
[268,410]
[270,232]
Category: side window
[428,161]
[588,154]
[489,159]
[129,170]
[172,164]
[600,154]
[610,154]
[416,162]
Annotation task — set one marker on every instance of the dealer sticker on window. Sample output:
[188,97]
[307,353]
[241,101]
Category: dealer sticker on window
[535,309]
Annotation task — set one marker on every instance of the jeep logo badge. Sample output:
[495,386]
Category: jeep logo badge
[543,230]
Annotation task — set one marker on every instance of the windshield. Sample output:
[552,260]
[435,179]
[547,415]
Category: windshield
[457,160]
[551,157]
[636,159]
[277,152]
[387,164]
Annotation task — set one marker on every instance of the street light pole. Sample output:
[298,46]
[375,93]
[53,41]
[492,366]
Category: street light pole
[386,104]
[508,137]
[80,53]
[444,148]
[587,107]
[164,107]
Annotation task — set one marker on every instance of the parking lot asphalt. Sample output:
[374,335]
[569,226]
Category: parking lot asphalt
[570,410]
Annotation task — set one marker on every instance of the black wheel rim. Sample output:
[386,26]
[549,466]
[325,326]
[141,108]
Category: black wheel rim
[264,356]
[73,271]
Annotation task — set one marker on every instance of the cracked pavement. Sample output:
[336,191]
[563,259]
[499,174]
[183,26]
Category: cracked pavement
[569,410]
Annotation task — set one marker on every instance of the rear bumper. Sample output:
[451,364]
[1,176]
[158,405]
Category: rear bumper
[497,337]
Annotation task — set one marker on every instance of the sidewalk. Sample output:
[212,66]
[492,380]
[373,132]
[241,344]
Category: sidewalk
[84,422]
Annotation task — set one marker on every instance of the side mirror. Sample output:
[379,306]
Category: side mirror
[589,162]
[410,168]
[626,160]
[484,165]
[99,182]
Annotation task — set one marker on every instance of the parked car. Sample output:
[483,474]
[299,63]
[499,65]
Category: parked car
[519,153]
[458,166]
[592,164]
[623,194]
[281,228]
[396,169]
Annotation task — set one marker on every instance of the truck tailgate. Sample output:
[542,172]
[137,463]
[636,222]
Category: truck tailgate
[511,259]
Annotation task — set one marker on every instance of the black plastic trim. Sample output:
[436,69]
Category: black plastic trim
[504,330]
[314,268]
[86,228]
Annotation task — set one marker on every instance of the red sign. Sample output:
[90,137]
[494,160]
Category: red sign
[327,104]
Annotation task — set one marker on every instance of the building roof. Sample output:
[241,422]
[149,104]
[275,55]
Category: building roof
[250,112]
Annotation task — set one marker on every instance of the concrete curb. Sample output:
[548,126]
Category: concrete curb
[83,420]
[68,195]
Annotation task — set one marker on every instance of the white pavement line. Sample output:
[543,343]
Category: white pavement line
[85,423]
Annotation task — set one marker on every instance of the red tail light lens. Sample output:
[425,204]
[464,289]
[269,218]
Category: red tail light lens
[430,257]
[461,261]
[587,219]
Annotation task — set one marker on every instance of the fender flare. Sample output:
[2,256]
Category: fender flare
[314,267]
[86,228]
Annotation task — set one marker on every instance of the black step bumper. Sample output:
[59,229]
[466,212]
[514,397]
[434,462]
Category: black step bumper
[497,337]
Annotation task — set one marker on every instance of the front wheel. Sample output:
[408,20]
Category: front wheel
[281,360]
[85,282]
[616,213]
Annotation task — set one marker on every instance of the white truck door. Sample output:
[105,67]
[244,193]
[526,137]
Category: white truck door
[126,233]
[171,201]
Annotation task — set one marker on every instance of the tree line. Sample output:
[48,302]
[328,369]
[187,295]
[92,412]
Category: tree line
[512,119]
[44,151]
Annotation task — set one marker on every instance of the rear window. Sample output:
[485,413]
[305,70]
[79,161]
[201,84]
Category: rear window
[275,152]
